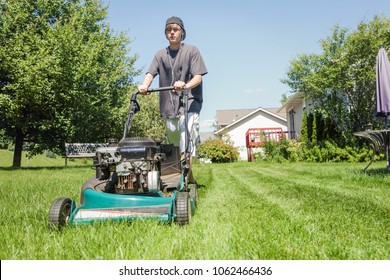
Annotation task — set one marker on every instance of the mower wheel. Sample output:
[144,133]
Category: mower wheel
[183,208]
[59,212]
[94,184]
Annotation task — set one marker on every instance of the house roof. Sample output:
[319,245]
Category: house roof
[292,101]
[226,114]
[226,117]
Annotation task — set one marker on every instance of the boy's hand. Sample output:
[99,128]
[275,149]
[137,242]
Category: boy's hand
[179,86]
[143,90]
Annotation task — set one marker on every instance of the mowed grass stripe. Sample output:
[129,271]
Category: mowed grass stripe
[323,213]
[350,183]
[214,215]
[245,211]
[274,230]
[251,222]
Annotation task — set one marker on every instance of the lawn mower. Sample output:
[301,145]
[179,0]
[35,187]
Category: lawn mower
[136,178]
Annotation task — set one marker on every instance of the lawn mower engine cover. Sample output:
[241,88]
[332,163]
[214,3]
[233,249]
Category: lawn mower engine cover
[132,166]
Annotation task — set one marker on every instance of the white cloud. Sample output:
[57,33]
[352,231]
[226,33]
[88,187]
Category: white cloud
[254,90]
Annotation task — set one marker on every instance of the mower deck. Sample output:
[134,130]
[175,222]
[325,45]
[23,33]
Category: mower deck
[100,206]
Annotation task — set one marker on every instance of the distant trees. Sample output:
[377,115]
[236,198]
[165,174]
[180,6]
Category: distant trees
[147,122]
[64,74]
[341,79]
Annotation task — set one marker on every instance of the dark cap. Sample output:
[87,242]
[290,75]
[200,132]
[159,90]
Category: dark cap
[178,21]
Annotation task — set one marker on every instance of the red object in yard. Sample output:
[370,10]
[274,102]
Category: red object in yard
[255,137]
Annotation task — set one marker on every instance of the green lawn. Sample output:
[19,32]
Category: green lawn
[246,211]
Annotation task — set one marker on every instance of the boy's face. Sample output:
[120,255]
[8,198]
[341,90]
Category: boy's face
[173,33]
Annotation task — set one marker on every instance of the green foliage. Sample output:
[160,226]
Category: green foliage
[300,71]
[5,140]
[318,127]
[330,152]
[64,73]
[304,136]
[217,151]
[326,151]
[147,122]
[276,152]
[314,135]
[340,80]
[283,151]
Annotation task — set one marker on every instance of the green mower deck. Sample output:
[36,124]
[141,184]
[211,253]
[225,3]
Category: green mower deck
[98,206]
[101,206]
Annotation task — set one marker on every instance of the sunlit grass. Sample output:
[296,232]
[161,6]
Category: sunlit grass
[245,211]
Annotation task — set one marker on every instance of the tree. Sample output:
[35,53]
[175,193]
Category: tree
[341,80]
[64,74]
[362,48]
[304,137]
[147,122]
[301,69]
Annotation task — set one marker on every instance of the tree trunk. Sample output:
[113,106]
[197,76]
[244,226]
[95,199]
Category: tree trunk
[18,149]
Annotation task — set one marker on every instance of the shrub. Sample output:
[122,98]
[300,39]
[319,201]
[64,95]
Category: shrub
[275,152]
[326,151]
[217,151]
[285,150]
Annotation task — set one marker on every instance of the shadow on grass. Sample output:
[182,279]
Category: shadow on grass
[199,186]
[43,167]
[376,172]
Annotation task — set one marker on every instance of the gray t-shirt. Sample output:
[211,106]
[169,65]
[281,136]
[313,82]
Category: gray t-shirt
[180,65]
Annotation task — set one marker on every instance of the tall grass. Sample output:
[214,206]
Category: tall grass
[245,211]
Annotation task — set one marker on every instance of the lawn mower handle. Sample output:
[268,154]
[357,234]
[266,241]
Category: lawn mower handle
[134,95]
[134,107]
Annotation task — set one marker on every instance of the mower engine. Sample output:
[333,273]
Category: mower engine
[132,166]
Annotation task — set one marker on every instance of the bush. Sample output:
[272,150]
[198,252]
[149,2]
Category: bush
[331,152]
[327,151]
[275,152]
[285,150]
[217,151]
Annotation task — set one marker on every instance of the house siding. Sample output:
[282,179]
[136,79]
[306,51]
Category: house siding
[295,132]
[237,131]
[298,109]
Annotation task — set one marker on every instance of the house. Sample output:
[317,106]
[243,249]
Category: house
[294,109]
[234,124]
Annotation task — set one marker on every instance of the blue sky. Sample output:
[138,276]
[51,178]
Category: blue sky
[247,45]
